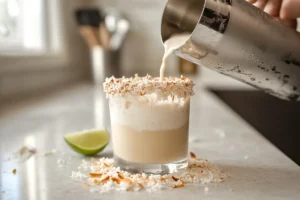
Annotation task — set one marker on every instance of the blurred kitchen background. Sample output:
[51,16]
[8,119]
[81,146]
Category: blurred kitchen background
[41,45]
[42,48]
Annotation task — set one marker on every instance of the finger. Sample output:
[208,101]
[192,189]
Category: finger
[290,23]
[261,4]
[290,9]
[252,1]
[273,7]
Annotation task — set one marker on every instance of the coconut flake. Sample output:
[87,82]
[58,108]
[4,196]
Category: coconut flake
[169,87]
[199,171]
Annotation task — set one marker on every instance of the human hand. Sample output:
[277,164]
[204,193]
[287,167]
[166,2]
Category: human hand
[286,11]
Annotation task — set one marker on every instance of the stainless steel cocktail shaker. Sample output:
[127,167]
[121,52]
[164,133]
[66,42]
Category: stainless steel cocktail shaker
[237,39]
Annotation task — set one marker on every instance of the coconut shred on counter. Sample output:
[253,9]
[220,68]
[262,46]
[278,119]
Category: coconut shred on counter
[100,175]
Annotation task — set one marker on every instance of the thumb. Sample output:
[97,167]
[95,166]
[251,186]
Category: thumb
[290,9]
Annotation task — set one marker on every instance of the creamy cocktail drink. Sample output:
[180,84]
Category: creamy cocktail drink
[150,122]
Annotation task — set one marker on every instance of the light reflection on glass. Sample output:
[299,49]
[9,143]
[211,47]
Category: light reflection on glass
[100,109]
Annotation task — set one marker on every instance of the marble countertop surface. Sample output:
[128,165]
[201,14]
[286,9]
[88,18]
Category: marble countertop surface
[257,169]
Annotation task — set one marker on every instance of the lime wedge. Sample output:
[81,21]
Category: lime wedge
[88,142]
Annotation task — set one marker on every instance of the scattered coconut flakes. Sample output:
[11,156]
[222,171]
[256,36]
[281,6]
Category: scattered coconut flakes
[103,176]
[78,176]
[86,185]
[193,155]
[50,153]
[140,86]
[25,152]
[95,175]
[62,163]
[178,184]
[175,179]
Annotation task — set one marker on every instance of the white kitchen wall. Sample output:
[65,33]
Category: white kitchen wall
[143,48]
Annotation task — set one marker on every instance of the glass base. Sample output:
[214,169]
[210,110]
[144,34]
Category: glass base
[150,168]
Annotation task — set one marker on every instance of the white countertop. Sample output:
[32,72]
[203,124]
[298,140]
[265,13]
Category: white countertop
[257,169]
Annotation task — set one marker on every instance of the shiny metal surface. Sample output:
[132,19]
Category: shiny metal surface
[237,39]
[118,27]
[257,169]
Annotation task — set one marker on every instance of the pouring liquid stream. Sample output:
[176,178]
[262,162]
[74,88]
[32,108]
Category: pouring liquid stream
[173,43]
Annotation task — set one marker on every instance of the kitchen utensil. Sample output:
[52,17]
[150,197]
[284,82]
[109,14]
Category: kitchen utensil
[119,35]
[89,17]
[104,36]
[104,32]
[239,40]
[88,21]
[111,20]
[90,36]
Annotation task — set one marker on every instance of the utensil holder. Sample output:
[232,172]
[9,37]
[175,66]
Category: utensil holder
[105,63]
